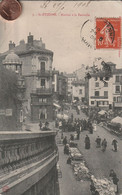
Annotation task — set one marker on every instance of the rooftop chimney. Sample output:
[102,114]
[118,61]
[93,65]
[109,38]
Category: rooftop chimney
[30,39]
[11,45]
[22,42]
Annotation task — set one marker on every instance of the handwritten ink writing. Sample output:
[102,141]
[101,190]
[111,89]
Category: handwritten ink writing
[59,6]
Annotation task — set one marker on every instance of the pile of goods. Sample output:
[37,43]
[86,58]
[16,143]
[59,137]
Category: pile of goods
[81,172]
[103,186]
[75,154]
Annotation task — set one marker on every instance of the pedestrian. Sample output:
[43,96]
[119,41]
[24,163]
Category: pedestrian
[66,149]
[98,141]
[95,127]
[115,180]
[115,145]
[62,135]
[87,142]
[69,160]
[104,145]
[40,125]
[65,140]
[92,188]
[71,137]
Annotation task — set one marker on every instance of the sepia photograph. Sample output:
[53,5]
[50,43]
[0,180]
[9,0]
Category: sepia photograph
[60,97]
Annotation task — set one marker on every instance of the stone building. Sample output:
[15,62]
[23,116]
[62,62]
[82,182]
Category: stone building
[70,78]
[106,92]
[78,91]
[100,93]
[59,85]
[81,72]
[37,70]
[117,89]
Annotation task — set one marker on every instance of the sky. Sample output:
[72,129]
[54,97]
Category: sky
[62,33]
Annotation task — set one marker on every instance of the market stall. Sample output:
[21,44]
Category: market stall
[103,186]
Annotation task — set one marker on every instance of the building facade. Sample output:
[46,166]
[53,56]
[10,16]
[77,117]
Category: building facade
[78,91]
[106,92]
[117,89]
[59,85]
[37,70]
[70,78]
[100,93]
[81,72]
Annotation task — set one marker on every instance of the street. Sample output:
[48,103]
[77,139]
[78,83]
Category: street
[100,163]
[68,184]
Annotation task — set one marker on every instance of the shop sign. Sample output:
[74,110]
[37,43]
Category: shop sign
[8,112]
[2,112]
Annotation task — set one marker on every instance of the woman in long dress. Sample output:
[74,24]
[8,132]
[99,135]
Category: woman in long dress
[87,142]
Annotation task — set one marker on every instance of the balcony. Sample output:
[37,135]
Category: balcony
[118,104]
[44,73]
[42,91]
[25,159]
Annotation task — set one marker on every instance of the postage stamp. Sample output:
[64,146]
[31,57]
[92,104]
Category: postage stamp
[108,33]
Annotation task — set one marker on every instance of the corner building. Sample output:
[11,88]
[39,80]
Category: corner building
[37,70]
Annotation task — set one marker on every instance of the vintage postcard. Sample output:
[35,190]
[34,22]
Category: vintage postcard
[60,97]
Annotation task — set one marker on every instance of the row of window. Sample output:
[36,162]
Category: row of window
[117,99]
[97,84]
[101,78]
[118,89]
[118,78]
[44,100]
[100,103]
[97,93]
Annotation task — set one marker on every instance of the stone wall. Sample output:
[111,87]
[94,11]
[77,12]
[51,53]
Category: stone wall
[26,159]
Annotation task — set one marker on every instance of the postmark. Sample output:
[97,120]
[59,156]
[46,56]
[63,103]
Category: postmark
[108,33]
[87,34]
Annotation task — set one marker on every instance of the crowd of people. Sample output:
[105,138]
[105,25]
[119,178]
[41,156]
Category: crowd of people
[72,125]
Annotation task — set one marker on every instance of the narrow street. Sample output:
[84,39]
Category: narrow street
[98,162]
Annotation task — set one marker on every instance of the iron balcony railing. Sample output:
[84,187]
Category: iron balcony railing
[42,91]
[45,73]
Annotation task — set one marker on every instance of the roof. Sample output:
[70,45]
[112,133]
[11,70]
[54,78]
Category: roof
[111,63]
[12,58]
[25,48]
[98,74]
[70,75]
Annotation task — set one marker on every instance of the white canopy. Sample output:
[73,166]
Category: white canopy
[117,120]
[102,112]
[56,105]
[62,116]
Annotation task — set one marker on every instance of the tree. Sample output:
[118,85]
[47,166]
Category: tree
[8,99]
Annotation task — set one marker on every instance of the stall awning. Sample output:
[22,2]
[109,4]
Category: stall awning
[56,105]
[102,112]
[117,120]
[62,116]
